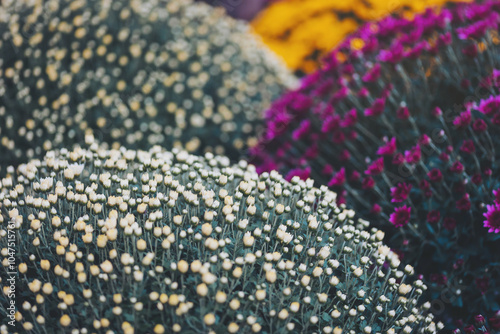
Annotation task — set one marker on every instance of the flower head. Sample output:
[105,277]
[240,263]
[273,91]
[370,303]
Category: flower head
[401,216]
[433,216]
[376,167]
[400,192]
[389,148]
[492,216]
[496,193]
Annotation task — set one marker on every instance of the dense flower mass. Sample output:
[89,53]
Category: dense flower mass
[135,73]
[303,31]
[171,242]
[404,124]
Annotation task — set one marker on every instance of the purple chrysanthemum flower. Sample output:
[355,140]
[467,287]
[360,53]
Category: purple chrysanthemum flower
[490,105]
[376,167]
[464,204]
[479,126]
[350,118]
[496,193]
[376,109]
[389,148]
[373,74]
[338,179]
[302,130]
[368,183]
[424,140]
[468,146]
[433,216]
[413,156]
[400,192]
[398,159]
[332,122]
[392,55]
[463,120]
[457,167]
[492,216]
[376,209]
[477,179]
[479,320]
[435,175]
[403,113]
[401,216]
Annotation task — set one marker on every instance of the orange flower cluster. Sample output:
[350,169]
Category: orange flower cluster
[301,31]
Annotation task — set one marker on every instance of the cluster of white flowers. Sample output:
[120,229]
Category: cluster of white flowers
[172,242]
[137,73]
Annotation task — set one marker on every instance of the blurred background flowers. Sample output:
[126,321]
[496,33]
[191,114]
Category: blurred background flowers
[303,31]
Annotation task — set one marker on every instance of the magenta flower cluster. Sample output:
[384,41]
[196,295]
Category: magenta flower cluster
[406,130]
[492,216]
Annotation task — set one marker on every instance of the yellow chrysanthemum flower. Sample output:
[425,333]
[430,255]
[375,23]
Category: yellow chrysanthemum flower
[302,31]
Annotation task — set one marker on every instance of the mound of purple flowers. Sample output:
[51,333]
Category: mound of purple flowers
[406,128]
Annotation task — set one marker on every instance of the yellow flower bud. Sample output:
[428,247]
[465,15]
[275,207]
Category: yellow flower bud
[234,304]
[47,288]
[182,266]
[117,298]
[45,264]
[196,266]
[23,268]
[237,272]
[163,298]
[260,294]
[141,244]
[35,224]
[94,270]
[102,240]
[159,329]
[35,286]
[81,277]
[58,270]
[87,293]
[65,320]
[107,266]
[202,289]
[283,314]
[206,229]
[69,299]
[294,307]
[209,319]
[173,300]
[271,276]
[233,328]
[87,238]
[60,250]
[220,297]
